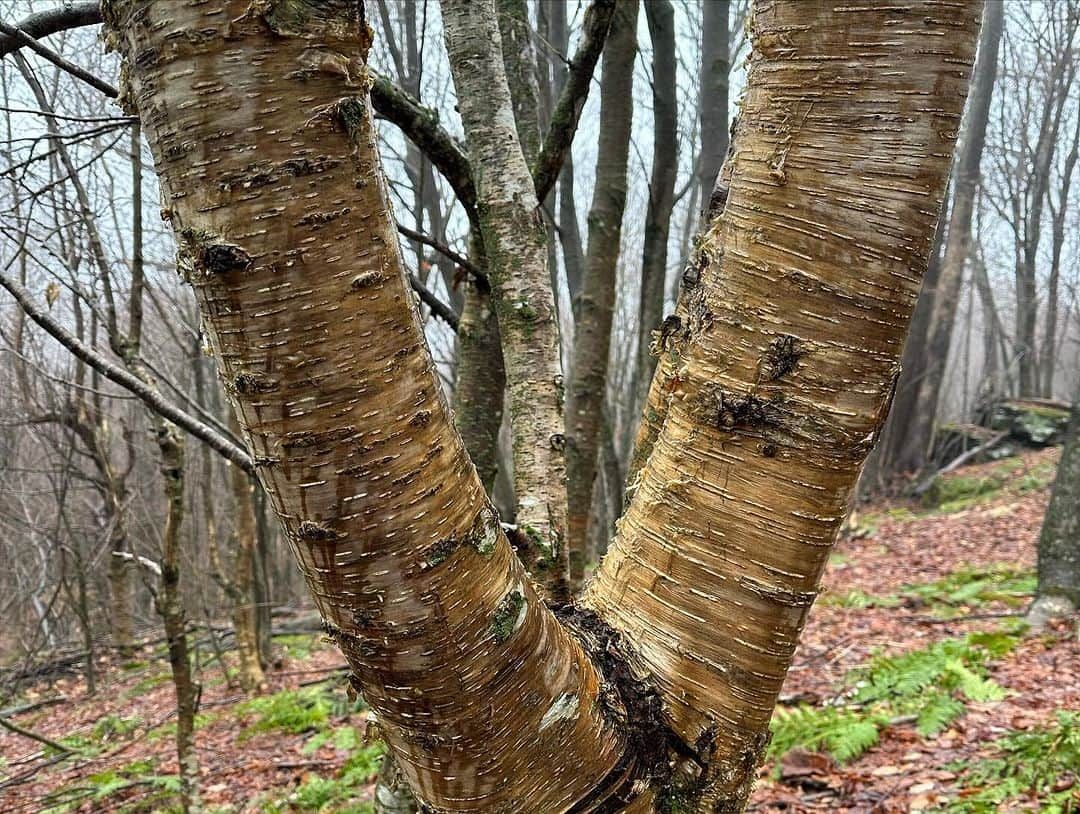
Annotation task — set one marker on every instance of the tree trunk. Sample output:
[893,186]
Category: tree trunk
[171,608]
[835,191]
[245,612]
[889,454]
[592,336]
[1059,543]
[481,694]
[713,104]
[514,241]
[481,377]
[1058,214]
[1034,195]
[920,430]
[661,18]
[569,229]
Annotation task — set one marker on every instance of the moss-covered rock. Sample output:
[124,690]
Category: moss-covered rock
[1031,422]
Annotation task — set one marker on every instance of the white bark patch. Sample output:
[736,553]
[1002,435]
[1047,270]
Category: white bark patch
[564,708]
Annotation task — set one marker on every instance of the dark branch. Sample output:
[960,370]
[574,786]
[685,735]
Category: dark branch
[44,23]
[567,112]
[423,129]
[444,250]
[21,37]
[437,306]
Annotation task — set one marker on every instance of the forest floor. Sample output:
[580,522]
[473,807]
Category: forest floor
[916,688]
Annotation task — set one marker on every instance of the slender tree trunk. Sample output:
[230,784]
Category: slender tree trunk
[1058,214]
[514,241]
[920,430]
[569,230]
[1035,193]
[244,611]
[713,104]
[171,608]
[774,406]
[481,379]
[661,18]
[481,694]
[592,336]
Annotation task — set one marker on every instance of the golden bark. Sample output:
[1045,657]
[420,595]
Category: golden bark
[262,132]
[793,333]
[263,138]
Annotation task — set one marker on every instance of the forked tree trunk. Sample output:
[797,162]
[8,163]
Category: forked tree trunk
[592,336]
[795,330]
[272,182]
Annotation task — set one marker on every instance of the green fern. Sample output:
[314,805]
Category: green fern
[931,684]
[843,733]
[940,710]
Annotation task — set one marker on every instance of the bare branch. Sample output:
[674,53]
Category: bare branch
[129,382]
[567,112]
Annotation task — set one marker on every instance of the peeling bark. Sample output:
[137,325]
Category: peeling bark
[795,331]
[272,182]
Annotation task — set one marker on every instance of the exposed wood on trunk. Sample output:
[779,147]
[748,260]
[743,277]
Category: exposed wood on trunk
[836,186]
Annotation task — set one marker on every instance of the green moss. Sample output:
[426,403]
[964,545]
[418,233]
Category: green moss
[971,587]
[505,619]
[293,711]
[145,685]
[338,793]
[112,727]
[350,112]
[954,494]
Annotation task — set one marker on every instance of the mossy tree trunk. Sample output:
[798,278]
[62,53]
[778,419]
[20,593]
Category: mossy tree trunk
[515,244]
